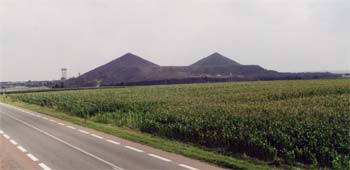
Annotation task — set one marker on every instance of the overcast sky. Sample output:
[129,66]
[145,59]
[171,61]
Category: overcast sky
[39,37]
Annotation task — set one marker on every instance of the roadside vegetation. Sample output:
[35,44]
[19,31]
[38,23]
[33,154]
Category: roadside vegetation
[280,122]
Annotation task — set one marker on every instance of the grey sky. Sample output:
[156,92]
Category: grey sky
[38,37]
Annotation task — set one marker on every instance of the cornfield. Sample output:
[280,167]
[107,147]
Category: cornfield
[290,121]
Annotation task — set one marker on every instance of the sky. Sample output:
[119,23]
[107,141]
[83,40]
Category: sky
[39,37]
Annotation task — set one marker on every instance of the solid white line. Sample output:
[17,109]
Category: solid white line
[188,167]
[114,142]
[6,136]
[13,142]
[42,165]
[134,149]
[66,143]
[83,131]
[32,157]
[1,132]
[159,157]
[61,124]
[96,136]
[21,149]
[70,127]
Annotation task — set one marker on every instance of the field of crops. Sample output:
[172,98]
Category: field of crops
[283,121]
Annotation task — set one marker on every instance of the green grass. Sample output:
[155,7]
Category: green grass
[150,140]
[281,122]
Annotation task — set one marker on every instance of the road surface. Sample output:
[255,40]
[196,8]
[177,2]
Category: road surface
[12,158]
[55,144]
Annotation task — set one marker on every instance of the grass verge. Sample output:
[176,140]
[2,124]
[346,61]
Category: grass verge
[153,141]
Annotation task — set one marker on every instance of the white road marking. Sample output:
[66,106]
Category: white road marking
[96,136]
[61,124]
[13,142]
[21,149]
[114,142]
[188,167]
[66,143]
[83,131]
[6,136]
[32,157]
[51,120]
[159,157]
[134,149]
[42,165]
[70,127]
[1,132]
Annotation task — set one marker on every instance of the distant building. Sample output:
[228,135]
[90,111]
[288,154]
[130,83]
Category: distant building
[64,74]
[347,75]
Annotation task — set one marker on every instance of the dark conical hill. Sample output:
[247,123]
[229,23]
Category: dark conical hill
[130,60]
[215,59]
[126,68]
[129,69]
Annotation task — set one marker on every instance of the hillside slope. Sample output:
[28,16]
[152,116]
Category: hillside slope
[130,69]
[216,59]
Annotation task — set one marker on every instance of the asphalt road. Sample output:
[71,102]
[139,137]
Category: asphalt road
[12,158]
[56,144]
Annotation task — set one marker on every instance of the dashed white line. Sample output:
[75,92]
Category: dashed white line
[134,149]
[21,149]
[32,157]
[159,157]
[96,136]
[83,131]
[114,142]
[70,127]
[42,165]
[66,143]
[13,142]
[45,167]
[188,167]
[6,136]
[51,120]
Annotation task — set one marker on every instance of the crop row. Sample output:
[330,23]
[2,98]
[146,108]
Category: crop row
[281,121]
